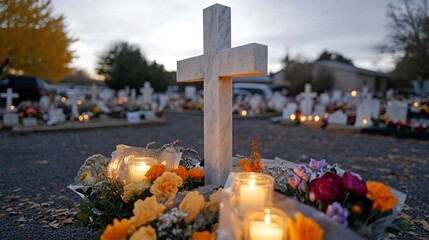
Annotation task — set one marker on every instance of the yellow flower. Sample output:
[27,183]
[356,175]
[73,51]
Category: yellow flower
[118,231]
[87,178]
[192,204]
[145,233]
[214,200]
[166,185]
[146,211]
[180,171]
[195,174]
[204,235]
[381,195]
[155,171]
[135,189]
[303,228]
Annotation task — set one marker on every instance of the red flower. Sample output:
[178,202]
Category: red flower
[328,188]
[354,185]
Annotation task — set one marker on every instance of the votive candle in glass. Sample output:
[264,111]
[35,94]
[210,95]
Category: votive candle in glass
[265,223]
[138,167]
[252,190]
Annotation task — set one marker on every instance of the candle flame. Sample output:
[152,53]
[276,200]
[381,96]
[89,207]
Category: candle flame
[416,104]
[12,107]
[244,112]
[354,93]
[79,102]
[267,218]
[252,182]
[365,121]
[316,118]
[63,99]
[310,118]
[292,117]
[303,118]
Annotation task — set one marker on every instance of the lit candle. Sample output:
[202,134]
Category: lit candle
[266,224]
[253,190]
[138,167]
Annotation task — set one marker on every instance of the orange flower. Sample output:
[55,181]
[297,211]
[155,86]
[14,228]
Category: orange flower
[181,172]
[246,164]
[146,211]
[146,233]
[356,208]
[204,235]
[166,185]
[382,196]
[118,231]
[303,228]
[257,166]
[155,171]
[195,174]
[192,204]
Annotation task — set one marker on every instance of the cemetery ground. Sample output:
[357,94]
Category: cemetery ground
[36,168]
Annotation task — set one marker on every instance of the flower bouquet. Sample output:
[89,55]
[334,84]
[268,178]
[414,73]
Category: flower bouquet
[146,193]
[368,207]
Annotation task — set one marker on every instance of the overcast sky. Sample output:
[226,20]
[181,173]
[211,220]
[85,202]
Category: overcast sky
[171,30]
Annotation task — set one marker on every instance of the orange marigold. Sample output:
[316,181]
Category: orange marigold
[382,196]
[181,172]
[245,164]
[155,171]
[204,235]
[196,174]
[303,228]
[118,231]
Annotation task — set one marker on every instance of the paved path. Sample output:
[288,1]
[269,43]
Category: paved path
[35,168]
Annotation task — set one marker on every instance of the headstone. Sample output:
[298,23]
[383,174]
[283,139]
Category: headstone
[255,102]
[363,116]
[338,118]
[306,104]
[191,93]
[217,66]
[337,96]
[147,93]
[9,95]
[397,111]
[106,95]
[133,96]
[324,99]
[374,106]
[72,101]
[133,117]
[44,102]
[10,119]
[29,122]
[163,100]
[94,93]
[319,110]
[289,110]
[390,93]
[365,94]
[56,115]
[278,102]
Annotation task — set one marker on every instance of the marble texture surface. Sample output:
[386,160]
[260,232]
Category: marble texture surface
[216,67]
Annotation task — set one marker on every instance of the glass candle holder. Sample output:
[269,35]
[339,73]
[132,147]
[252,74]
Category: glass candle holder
[138,167]
[252,190]
[265,223]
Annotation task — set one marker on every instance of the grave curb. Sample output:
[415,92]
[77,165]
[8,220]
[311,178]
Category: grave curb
[85,125]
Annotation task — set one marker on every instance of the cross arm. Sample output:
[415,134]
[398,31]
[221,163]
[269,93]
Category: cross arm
[190,69]
[243,61]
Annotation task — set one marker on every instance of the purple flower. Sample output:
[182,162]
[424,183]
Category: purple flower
[317,166]
[294,181]
[337,213]
[302,172]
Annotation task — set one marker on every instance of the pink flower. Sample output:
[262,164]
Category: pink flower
[328,188]
[354,185]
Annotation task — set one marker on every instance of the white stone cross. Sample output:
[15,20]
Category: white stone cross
[216,67]
[9,95]
[147,93]
[306,104]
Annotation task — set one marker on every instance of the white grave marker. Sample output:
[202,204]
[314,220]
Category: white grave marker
[289,110]
[363,116]
[216,67]
[397,111]
[133,117]
[106,95]
[338,117]
[147,93]
[278,101]
[9,95]
[337,96]
[44,102]
[191,93]
[306,103]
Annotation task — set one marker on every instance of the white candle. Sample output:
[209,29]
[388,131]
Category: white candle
[251,196]
[138,168]
[263,231]
[265,224]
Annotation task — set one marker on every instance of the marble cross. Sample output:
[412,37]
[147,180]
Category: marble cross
[9,95]
[306,104]
[147,93]
[216,67]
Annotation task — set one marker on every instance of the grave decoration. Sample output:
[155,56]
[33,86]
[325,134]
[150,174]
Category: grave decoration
[147,193]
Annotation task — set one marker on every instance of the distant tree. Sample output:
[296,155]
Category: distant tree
[124,65]
[298,72]
[33,41]
[333,56]
[408,38]
[80,77]
[323,80]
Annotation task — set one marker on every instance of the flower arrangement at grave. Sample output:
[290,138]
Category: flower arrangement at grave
[146,192]
[367,207]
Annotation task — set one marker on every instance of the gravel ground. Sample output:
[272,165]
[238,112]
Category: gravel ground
[36,168]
